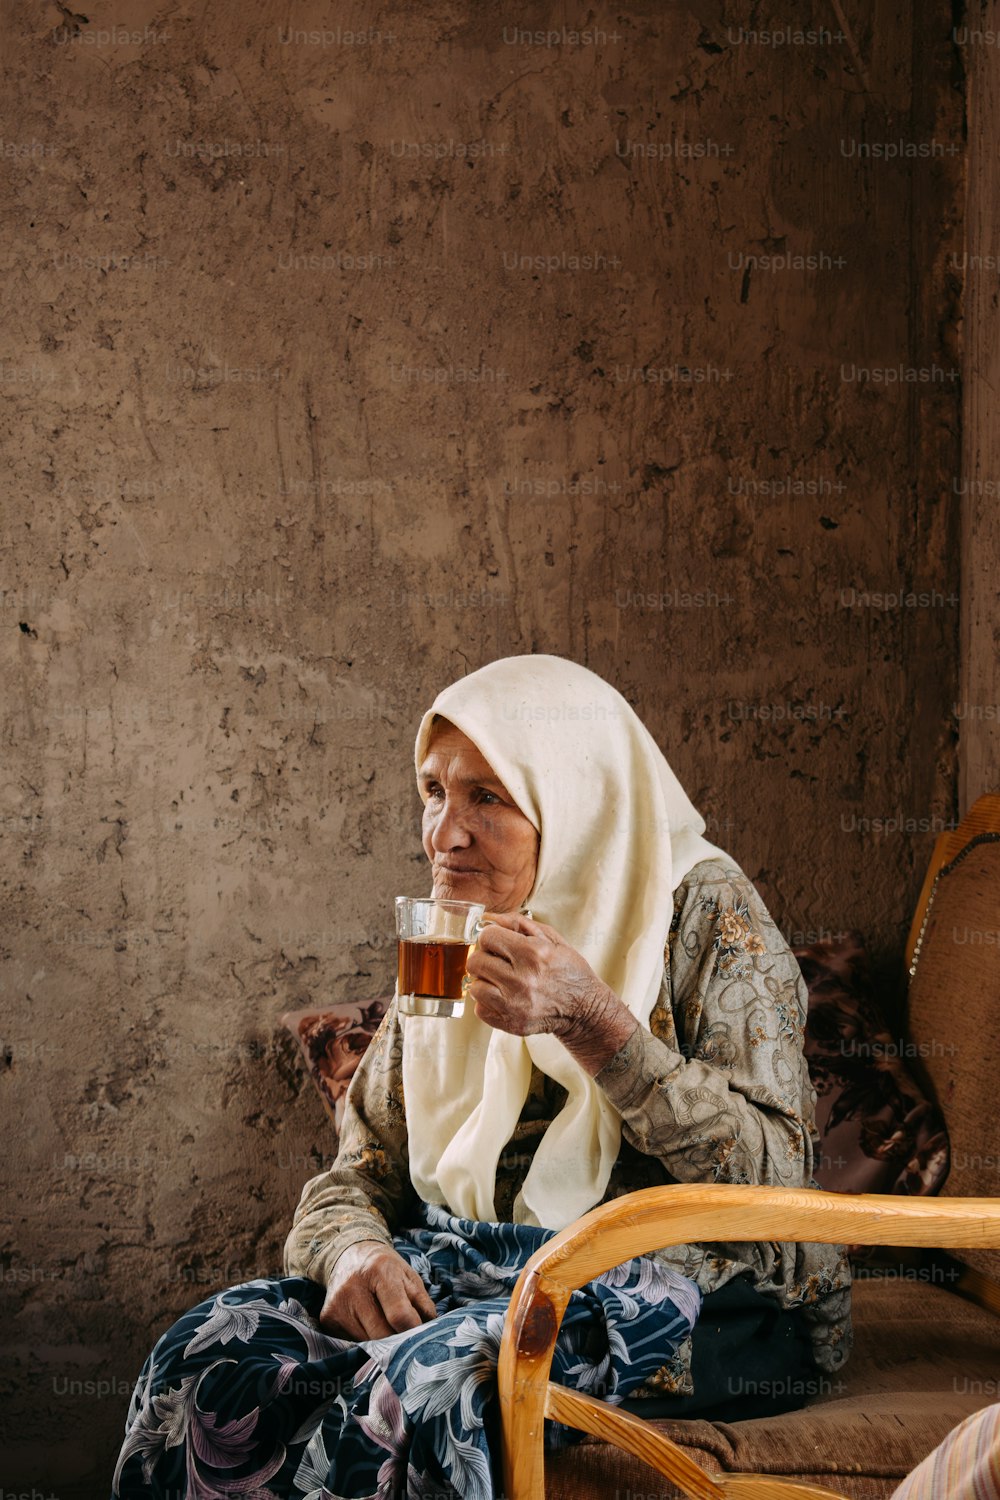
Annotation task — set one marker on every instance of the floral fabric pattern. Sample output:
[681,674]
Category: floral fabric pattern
[245,1396]
[735,942]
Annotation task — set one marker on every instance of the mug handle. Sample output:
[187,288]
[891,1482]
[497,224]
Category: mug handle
[523,911]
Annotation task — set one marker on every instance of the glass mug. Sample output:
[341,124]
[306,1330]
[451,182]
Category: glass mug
[435,939]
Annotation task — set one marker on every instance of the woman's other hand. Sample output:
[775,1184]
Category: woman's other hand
[526,979]
[373,1293]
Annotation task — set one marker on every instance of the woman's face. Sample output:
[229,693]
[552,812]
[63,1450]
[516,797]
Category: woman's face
[480,845]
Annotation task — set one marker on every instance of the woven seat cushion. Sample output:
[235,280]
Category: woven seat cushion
[924,1359]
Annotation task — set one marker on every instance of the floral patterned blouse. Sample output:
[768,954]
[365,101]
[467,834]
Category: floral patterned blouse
[716,1090]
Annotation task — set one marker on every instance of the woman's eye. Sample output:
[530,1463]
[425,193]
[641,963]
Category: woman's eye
[480,794]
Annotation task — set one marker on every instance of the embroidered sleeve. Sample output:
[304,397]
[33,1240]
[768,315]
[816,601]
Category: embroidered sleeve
[364,1195]
[717,1089]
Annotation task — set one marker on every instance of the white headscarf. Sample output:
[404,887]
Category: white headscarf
[618,835]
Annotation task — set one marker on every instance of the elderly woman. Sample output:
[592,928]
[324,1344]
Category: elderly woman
[636,1019]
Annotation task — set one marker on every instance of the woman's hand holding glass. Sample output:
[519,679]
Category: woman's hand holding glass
[526,979]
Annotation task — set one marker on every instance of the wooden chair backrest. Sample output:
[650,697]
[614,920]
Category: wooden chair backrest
[983,817]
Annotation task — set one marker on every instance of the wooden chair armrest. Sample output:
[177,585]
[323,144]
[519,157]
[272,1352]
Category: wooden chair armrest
[656,1218]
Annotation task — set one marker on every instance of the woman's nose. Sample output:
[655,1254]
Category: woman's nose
[450,829]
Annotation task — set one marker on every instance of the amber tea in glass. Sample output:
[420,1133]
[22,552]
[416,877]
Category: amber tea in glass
[434,941]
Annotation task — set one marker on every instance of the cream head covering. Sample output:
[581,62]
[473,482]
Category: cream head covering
[618,835]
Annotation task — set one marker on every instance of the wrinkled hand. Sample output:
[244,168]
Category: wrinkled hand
[525,979]
[373,1293]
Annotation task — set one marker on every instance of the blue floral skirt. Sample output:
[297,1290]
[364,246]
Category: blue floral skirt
[246,1396]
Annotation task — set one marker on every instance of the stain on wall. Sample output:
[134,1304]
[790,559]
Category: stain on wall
[343,355]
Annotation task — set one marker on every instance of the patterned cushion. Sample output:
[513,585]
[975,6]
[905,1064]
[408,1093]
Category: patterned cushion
[333,1041]
[879,1130]
[966,1466]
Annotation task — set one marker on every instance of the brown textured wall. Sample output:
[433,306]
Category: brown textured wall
[296,437]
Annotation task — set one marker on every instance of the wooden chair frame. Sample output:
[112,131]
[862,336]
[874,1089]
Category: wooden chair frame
[655,1218]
